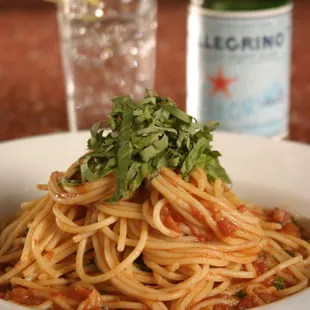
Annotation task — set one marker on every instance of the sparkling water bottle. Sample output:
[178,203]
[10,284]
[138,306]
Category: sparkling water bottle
[238,64]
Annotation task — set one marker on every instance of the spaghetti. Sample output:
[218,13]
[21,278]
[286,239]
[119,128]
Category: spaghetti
[146,220]
[186,245]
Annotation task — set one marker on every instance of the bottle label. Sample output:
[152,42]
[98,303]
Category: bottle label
[238,69]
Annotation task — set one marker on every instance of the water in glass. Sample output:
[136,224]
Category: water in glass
[105,57]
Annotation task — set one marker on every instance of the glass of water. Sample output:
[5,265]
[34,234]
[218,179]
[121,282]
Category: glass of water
[108,49]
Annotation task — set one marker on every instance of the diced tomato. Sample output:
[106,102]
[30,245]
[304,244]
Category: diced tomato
[165,210]
[82,292]
[23,296]
[247,303]
[261,264]
[201,235]
[242,208]
[178,217]
[172,219]
[257,212]
[171,223]
[268,282]
[282,217]
[20,292]
[267,298]
[49,255]
[77,292]
[291,229]
[93,302]
[226,227]
[196,214]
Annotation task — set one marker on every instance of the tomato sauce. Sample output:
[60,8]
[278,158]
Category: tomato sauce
[172,224]
[288,225]
[226,227]
[242,208]
[202,235]
[261,264]
[267,298]
[22,296]
[26,296]
[264,215]
[172,220]
[76,293]
[282,217]
[291,229]
[247,302]
[196,214]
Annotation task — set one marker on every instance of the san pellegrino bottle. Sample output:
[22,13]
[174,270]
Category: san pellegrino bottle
[238,64]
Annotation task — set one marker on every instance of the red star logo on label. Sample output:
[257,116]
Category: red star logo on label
[221,83]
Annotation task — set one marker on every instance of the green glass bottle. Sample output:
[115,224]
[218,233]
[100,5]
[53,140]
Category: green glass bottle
[238,64]
[242,5]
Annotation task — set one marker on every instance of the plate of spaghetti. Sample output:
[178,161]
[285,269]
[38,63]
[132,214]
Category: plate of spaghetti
[150,215]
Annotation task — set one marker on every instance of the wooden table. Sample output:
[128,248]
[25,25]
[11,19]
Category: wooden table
[32,97]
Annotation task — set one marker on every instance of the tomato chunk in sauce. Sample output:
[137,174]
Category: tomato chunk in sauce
[247,302]
[291,229]
[27,297]
[281,217]
[171,223]
[287,222]
[261,264]
[22,296]
[226,227]
[78,293]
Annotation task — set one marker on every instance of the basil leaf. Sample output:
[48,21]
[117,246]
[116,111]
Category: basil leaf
[279,283]
[96,137]
[178,113]
[290,253]
[139,263]
[124,155]
[154,149]
[92,171]
[145,137]
[193,156]
[71,183]
[241,294]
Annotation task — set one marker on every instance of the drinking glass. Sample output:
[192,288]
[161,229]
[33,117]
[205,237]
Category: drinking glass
[108,49]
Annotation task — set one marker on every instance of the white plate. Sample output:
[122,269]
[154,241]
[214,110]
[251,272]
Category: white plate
[267,172]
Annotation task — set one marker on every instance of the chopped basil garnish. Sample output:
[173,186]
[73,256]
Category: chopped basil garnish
[145,137]
[278,283]
[71,182]
[294,221]
[290,253]
[241,294]
[139,263]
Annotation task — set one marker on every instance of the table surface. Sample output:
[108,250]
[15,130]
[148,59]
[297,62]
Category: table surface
[32,96]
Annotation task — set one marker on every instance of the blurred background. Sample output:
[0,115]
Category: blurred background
[32,95]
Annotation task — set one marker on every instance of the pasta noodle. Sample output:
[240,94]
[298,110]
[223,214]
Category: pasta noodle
[146,220]
[175,245]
